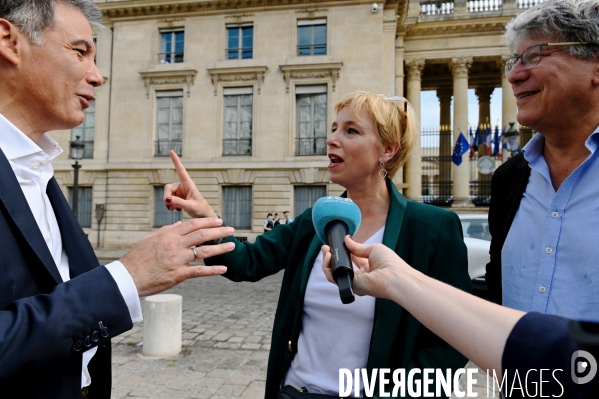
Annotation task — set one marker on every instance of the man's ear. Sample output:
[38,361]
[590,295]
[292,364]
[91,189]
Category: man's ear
[9,39]
[595,78]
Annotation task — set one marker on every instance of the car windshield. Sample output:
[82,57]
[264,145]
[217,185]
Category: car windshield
[476,228]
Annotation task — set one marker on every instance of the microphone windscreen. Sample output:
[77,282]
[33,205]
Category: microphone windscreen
[335,208]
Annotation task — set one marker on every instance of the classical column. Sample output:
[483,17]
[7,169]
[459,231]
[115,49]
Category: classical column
[461,174]
[445,146]
[484,104]
[399,72]
[413,168]
[509,109]
[399,78]
[484,112]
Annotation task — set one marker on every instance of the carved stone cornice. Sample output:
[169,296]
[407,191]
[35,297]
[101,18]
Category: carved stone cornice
[459,66]
[501,63]
[184,77]
[415,68]
[239,18]
[239,74]
[133,9]
[312,12]
[487,26]
[311,71]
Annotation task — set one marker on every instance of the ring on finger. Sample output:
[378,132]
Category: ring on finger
[195,254]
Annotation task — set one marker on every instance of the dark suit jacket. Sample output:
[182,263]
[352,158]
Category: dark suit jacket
[507,188]
[427,237]
[44,322]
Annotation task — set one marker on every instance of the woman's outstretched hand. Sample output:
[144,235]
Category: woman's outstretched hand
[378,267]
[185,195]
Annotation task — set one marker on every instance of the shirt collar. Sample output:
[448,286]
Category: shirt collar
[15,144]
[534,148]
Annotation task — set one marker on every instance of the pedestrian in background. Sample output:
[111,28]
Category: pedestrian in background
[268,223]
[288,219]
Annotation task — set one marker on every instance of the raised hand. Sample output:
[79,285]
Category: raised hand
[378,267]
[161,259]
[185,195]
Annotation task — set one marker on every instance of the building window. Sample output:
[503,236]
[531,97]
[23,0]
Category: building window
[172,43]
[162,216]
[238,207]
[169,122]
[306,196]
[86,130]
[237,137]
[240,42]
[84,205]
[312,37]
[311,127]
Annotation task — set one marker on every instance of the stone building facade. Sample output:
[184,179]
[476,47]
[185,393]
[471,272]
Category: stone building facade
[244,91]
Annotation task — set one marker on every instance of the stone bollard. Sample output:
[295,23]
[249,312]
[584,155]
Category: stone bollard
[162,325]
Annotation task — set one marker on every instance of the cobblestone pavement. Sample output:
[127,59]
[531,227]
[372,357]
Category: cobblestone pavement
[226,338]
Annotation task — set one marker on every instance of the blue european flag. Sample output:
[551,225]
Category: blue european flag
[461,147]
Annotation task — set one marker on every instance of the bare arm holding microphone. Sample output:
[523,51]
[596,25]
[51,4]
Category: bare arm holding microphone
[475,327]
[507,341]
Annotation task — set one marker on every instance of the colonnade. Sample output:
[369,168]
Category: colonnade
[460,175]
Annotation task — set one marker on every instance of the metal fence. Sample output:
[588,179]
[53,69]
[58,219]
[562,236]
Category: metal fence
[162,147]
[437,184]
[486,145]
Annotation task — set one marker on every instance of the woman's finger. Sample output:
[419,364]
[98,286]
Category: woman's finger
[181,171]
[326,263]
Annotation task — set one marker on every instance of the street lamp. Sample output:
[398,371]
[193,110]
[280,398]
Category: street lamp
[76,153]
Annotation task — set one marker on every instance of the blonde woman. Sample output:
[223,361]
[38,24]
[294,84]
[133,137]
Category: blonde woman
[314,334]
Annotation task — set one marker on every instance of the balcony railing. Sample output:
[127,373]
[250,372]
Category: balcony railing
[311,146]
[239,53]
[311,49]
[88,150]
[443,7]
[237,146]
[163,147]
[170,58]
[484,5]
[527,3]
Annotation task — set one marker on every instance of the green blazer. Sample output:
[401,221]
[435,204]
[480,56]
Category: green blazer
[426,237]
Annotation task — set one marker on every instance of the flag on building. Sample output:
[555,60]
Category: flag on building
[489,140]
[461,147]
[497,143]
[471,142]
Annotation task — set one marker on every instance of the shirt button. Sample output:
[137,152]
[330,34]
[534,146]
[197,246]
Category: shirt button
[36,165]
[44,161]
[548,250]
[542,289]
[554,214]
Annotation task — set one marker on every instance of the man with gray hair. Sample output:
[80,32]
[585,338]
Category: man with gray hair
[59,308]
[544,215]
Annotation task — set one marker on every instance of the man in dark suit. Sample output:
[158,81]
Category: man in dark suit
[58,307]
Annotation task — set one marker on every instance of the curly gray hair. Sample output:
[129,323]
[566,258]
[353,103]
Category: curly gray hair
[566,20]
[33,17]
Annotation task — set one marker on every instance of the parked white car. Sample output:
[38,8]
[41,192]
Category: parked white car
[478,241]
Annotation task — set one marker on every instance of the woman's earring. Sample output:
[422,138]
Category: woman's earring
[382,172]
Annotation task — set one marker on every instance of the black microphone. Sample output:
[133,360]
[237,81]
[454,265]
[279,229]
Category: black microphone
[334,218]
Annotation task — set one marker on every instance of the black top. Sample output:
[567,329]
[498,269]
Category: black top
[540,348]
[507,188]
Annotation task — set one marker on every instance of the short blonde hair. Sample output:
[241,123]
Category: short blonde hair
[393,124]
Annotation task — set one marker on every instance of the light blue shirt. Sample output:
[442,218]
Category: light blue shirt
[550,259]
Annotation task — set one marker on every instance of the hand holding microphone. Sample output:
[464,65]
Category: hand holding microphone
[334,218]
